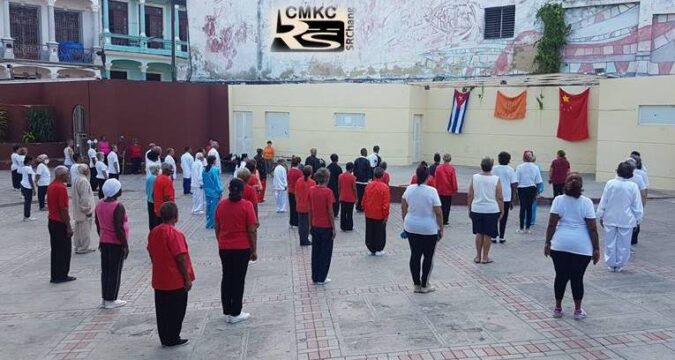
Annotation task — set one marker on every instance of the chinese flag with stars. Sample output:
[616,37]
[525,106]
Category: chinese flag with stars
[573,124]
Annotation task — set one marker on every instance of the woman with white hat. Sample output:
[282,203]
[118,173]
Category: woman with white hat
[112,226]
[42,179]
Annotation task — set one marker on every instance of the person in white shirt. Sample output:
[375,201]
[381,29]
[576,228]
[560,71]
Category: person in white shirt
[113,163]
[152,159]
[42,179]
[197,184]
[639,181]
[486,206]
[422,226]
[280,185]
[186,161]
[572,242]
[91,155]
[101,173]
[507,177]
[214,152]
[641,172]
[68,160]
[16,166]
[151,147]
[374,158]
[171,161]
[528,177]
[28,186]
[619,211]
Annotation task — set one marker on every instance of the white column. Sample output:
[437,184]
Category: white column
[96,25]
[144,71]
[141,18]
[7,42]
[52,45]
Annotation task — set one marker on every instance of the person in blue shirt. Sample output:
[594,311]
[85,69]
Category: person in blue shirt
[153,220]
[213,189]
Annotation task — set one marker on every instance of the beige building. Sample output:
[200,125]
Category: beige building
[409,121]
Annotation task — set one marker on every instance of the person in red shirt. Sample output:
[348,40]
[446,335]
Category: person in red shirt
[560,168]
[386,178]
[249,192]
[376,207]
[60,230]
[254,180]
[172,275]
[302,187]
[135,151]
[236,231]
[294,173]
[163,190]
[347,191]
[446,184]
[322,220]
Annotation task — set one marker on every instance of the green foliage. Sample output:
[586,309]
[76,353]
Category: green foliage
[40,125]
[554,38]
[27,138]
[4,124]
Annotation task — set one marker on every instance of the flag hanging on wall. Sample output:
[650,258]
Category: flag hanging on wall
[459,103]
[511,108]
[573,123]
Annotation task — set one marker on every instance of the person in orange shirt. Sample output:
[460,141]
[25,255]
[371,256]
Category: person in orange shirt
[347,191]
[268,156]
[385,178]
[376,208]
[163,190]
[446,184]
[302,187]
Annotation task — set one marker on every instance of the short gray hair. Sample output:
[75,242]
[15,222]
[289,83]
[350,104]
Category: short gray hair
[321,176]
[486,164]
[154,169]
[447,157]
[167,167]
[60,171]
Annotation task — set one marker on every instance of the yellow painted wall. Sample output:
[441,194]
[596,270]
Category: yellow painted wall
[619,132]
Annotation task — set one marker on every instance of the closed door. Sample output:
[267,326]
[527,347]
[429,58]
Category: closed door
[244,131]
[417,138]
[80,135]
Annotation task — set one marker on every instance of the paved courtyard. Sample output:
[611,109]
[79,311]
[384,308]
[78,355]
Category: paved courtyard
[369,311]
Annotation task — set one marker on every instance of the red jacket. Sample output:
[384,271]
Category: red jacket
[446,180]
[376,200]
[431,181]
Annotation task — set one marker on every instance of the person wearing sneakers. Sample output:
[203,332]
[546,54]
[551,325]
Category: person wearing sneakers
[28,186]
[528,177]
[42,179]
[376,200]
[60,230]
[507,177]
[112,226]
[172,275]
[236,231]
[347,191]
[322,222]
[197,184]
[423,226]
[572,242]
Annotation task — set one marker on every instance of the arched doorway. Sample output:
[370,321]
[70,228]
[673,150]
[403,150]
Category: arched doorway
[80,135]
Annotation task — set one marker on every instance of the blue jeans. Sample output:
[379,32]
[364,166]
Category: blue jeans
[187,183]
[211,204]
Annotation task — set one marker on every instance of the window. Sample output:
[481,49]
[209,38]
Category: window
[183,28]
[154,26]
[350,120]
[657,115]
[67,26]
[118,75]
[153,77]
[500,22]
[24,27]
[119,21]
[276,124]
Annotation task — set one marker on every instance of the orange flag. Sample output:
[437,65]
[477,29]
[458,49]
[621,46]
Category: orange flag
[511,108]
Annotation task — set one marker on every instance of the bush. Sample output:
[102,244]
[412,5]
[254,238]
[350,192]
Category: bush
[40,125]
[4,124]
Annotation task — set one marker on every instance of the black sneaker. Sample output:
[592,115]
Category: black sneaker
[309,243]
[177,343]
[67,279]
[501,241]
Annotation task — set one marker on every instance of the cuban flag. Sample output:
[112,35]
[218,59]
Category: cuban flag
[459,103]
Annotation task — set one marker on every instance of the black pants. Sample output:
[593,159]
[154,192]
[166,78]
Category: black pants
[446,203]
[505,218]
[360,190]
[527,196]
[112,258]
[336,207]
[100,187]
[569,267]
[303,228]
[114,176]
[92,178]
[61,250]
[42,195]
[235,265]
[27,200]
[153,220]
[187,183]
[558,189]
[347,216]
[322,252]
[634,237]
[376,235]
[135,165]
[16,179]
[293,213]
[170,306]
[421,245]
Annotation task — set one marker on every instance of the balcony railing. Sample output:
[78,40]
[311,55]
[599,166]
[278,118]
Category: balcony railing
[31,52]
[72,53]
[144,44]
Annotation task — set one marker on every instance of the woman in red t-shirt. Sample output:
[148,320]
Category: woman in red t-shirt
[294,173]
[347,191]
[322,219]
[236,231]
[249,192]
[302,187]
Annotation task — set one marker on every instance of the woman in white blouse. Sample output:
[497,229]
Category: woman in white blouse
[528,176]
[101,173]
[42,179]
[620,210]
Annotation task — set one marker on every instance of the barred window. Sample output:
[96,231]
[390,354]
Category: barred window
[500,22]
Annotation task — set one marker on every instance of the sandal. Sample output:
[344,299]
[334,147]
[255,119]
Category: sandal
[476,260]
[488,261]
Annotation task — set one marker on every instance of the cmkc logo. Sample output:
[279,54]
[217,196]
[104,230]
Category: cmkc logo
[314,29]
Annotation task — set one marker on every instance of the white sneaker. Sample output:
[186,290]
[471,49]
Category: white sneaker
[228,319]
[324,282]
[380,253]
[114,304]
[580,314]
[251,262]
[520,231]
[239,318]
[29,219]
[428,289]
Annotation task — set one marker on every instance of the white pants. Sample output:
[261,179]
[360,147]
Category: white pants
[197,199]
[617,246]
[281,198]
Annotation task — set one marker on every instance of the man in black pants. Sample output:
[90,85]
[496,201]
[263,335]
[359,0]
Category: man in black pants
[363,173]
[60,231]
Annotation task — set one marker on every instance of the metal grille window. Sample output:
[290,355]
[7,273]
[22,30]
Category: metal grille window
[500,22]
[119,21]
[67,26]
[24,27]
[154,26]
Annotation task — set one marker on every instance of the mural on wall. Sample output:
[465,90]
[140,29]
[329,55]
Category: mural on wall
[404,39]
